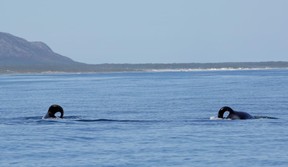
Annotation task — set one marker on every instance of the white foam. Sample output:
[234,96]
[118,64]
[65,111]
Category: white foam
[216,118]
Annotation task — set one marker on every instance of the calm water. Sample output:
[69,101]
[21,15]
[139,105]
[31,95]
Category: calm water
[144,119]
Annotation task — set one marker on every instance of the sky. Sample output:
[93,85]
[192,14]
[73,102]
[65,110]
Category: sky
[153,31]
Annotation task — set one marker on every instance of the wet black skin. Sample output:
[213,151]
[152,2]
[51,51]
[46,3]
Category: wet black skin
[233,114]
[53,109]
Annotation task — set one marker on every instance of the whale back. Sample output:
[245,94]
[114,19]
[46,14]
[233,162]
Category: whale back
[53,109]
[239,115]
[233,114]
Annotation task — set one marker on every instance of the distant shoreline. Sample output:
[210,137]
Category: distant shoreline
[174,67]
[213,69]
[17,55]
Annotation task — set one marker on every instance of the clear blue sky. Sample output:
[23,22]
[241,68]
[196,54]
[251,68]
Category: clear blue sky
[153,31]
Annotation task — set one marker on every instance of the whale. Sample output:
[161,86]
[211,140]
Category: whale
[233,114]
[53,109]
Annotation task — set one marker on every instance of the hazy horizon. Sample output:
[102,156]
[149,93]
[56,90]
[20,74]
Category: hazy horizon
[162,31]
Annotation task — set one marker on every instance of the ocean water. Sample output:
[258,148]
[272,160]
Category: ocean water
[144,119]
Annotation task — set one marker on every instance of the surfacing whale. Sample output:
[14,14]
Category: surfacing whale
[238,114]
[53,109]
[233,114]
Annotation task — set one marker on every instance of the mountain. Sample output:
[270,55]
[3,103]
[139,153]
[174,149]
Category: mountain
[18,54]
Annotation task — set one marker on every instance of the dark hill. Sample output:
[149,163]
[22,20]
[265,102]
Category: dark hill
[18,55]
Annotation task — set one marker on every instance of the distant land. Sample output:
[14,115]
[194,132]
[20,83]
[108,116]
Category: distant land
[18,55]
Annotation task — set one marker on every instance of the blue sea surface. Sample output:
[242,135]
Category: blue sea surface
[144,119]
